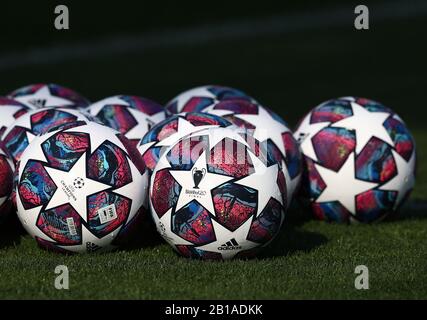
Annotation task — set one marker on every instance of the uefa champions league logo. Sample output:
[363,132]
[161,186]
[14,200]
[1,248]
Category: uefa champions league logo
[198,175]
[79,183]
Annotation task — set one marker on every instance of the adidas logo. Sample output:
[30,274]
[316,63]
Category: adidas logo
[91,247]
[38,103]
[230,245]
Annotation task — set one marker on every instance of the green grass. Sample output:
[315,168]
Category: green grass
[310,259]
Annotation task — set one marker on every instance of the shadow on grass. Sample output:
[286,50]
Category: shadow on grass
[414,209]
[146,236]
[291,240]
[11,230]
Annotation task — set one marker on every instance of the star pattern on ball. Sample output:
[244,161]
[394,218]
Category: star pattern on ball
[217,112]
[271,189]
[34,151]
[92,242]
[144,147]
[183,98]
[184,128]
[223,235]
[215,137]
[144,123]
[275,129]
[404,181]
[43,98]
[165,223]
[96,107]
[25,121]
[305,136]
[8,113]
[291,184]
[96,140]
[201,194]
[366,125]
[75,197]
[132,188]
[343,180]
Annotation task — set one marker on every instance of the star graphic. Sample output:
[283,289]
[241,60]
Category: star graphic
[405,178]
[202,194]
[7,114]
[143,148]
[272,130]
[135,190]
[223,235]
[342,186]
[163,163]
[215,135]
[263,173]
[98,134]
[24,121]
[88,238]
[366,125]
[218,112]
[305,133]
[184,128]
[96,107]
[144,123]
[76,197]
[44,94]
[183,98]
[291,184]
[34,151]
[164,226]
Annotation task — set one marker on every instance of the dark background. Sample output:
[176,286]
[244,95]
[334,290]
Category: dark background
[290,70]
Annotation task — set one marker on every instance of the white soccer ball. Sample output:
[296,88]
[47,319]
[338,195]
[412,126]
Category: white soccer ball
[214,196]
[359,158]
[80,189]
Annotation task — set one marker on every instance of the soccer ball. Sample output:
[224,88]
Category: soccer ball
[80,189]
[43,95]
[169,131]
[6,178]
[21,132]
[10,110]
[199,98]
[270,129]
[359,159]
[130,115]
[213,195]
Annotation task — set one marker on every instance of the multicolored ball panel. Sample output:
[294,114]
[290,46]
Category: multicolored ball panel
[234,204]
[36,187]
[333,146]
[63,149]
[193,223]
[109,164]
